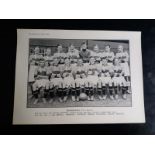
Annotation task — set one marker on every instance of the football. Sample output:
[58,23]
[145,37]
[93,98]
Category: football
[83,96]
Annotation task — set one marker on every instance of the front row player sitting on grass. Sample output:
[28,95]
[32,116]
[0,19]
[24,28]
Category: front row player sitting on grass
[41,85]
[119,80]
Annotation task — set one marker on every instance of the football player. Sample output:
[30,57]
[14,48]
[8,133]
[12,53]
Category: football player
[92,79]
[85,53]
[41,84]
[96,54]
[56,81]
[60,54]
[48,56]
[79,72]
[105,81]
[33,63]
[109,54]
[118,79]
[102,54]
[36,56]
[48,69]
[68,80]
[123,57]
[73,54]
[79,68]
[78,86]
[80,82]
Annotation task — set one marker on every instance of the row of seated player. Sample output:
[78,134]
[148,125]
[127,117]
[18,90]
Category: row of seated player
[106,81]
[67,67]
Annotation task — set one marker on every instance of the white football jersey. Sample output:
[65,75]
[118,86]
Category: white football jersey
[60,55]
[122,56]
[73,54]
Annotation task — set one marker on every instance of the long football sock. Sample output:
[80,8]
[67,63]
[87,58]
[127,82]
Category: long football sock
[99,91]
[78,91]
[91,89]
[111,90]
[46,91]
[35,93]
[83,90]
[51,92]
[73,91]
[65,91]
[104,90]
[59,92]
[116,90]
[87,91]
[124,90]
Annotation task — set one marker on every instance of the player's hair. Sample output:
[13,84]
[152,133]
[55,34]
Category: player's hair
[48,48]
[96,45]
[83,43]
[125,50]
[108,45]
[120,45]
[71,44]
[59,45]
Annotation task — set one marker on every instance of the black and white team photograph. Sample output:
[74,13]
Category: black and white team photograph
[78,73]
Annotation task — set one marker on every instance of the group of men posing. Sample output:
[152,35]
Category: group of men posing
[90,72]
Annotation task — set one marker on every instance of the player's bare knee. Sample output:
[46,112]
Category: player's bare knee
[34,86]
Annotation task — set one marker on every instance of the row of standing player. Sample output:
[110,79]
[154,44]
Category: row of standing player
[80,77]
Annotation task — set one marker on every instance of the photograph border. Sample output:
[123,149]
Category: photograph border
[131,104]
[134,114]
